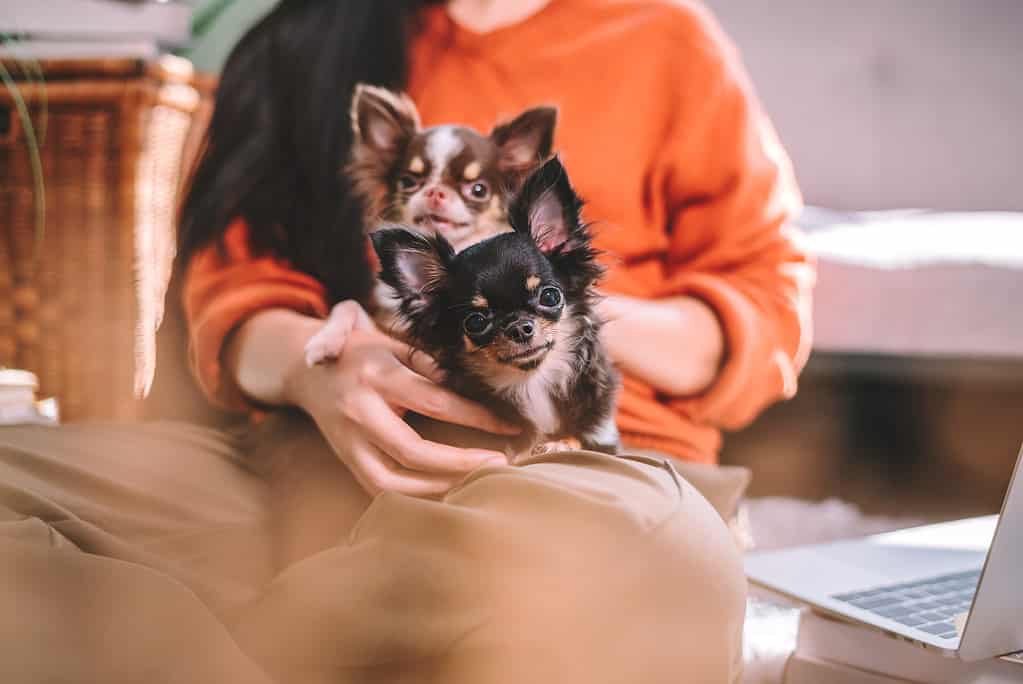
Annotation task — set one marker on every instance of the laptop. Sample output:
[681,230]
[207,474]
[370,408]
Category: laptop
[955,587]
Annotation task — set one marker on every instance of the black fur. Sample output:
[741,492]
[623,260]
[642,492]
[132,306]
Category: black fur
[549,249]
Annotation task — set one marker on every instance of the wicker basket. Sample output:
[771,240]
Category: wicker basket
[83,314]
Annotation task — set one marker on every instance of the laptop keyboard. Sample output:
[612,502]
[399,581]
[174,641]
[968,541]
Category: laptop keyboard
[928,605]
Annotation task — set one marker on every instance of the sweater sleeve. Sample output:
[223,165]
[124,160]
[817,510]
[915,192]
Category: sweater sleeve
[731,195]
[222,288]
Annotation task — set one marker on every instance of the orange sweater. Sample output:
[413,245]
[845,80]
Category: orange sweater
[685,180]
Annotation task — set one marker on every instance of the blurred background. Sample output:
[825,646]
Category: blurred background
[902,120]
[903,123]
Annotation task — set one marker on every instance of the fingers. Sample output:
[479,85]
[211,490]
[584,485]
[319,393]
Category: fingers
[376,472]
[416,360]
[416,387]
[416,393]
[396,438]
[376,380]
[424,365]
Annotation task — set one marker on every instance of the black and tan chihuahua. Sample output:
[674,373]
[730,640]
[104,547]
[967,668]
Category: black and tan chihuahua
[510,319]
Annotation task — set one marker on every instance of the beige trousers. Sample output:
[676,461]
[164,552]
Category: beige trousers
[170,553]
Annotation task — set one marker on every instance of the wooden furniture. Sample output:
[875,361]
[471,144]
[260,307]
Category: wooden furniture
[79,306]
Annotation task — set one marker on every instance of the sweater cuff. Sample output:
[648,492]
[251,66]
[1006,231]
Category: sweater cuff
[210,330]
[753,372]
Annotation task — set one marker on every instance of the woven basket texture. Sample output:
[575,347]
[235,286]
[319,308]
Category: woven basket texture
[80,307]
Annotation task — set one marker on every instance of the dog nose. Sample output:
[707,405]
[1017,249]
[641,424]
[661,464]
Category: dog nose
[436,194]
[521,331]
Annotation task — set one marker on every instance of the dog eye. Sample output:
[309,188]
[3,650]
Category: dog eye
[476,323]
[407,182]
[478,190]
[550,297]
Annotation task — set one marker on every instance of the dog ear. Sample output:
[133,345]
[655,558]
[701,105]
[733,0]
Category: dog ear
[416,266]
[547,209]
[526,140]
[383,120]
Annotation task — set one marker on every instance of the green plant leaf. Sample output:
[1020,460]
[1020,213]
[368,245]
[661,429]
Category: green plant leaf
[34,156]
[208,14]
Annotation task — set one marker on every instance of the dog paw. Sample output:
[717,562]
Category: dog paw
[324,346]
[554,446]
[327,343]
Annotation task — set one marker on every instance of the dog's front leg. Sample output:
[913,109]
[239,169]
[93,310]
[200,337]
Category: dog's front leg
[604,438]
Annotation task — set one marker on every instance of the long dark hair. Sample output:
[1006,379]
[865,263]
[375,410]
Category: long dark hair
[280,134]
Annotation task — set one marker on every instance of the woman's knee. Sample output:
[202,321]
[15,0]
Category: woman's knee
[620,562]
[703,595]
[580,568]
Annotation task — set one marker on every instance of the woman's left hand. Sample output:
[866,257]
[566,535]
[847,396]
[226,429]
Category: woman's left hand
[676,345]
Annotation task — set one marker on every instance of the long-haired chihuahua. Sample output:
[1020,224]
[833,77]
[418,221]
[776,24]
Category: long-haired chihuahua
[510,319]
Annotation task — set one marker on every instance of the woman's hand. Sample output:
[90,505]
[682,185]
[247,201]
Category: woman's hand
[358,401]
[675,345]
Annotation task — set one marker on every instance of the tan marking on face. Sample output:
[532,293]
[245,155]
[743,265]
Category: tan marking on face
[417,165]
[472,171]
[491,221]
[470,346]
[532,282]
[480,301]
[483,360]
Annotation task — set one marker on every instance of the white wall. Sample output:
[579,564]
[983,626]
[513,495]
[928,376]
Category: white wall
[892,103]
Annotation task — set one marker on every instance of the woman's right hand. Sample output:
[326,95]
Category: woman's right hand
[358,401]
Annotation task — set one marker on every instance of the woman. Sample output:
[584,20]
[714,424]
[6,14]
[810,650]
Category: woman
[658,128]
[571,567]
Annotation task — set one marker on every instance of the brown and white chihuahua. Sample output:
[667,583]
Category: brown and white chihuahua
[445,180]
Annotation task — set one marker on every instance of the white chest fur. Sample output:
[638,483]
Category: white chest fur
[533,399]
[534,393]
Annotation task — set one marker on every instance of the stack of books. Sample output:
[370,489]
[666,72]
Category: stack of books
[837,652]
[89,29]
